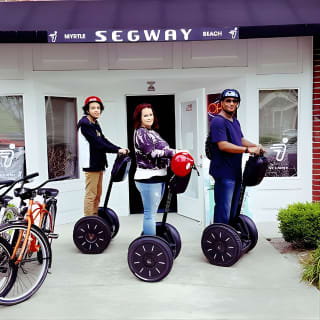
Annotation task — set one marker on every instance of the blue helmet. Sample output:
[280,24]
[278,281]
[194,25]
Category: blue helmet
[233,93]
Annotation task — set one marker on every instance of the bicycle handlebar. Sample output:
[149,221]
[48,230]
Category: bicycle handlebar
[30,176]
[51,180]
[24,179]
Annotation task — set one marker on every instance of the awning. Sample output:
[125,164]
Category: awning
[30,21]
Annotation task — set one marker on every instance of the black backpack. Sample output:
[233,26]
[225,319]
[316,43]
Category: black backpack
[208,146]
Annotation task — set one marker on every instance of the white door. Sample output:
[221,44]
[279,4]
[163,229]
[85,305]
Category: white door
[191,128]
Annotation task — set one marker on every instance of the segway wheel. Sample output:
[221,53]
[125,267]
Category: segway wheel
[112,219]
[150,258]
[115,222]
[91,235]
[248,229]
[172,233]
[221,245]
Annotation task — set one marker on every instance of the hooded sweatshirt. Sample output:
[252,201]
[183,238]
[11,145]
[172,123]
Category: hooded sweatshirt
[93,146]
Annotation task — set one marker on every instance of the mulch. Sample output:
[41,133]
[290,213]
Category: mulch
[285,247]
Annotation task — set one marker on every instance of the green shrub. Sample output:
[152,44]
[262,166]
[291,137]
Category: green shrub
[300,224]
[311,268]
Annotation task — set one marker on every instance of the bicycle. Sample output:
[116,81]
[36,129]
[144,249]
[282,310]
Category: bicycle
[26,256]
[6,212]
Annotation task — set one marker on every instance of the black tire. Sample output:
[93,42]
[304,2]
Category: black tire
[113,218]
[248,230]
[48,224]
[221,245]
[31,273]
[173,235]
[8,270]
[150,258]
[91,235]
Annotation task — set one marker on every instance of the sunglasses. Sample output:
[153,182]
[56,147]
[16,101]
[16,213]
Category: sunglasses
[231,100]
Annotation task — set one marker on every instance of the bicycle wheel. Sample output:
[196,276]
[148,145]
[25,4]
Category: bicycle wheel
[8,270]
[46,225]
[31,271]
[10,213]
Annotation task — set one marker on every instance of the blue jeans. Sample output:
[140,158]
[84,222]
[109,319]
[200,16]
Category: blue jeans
[151,194]
[226,197]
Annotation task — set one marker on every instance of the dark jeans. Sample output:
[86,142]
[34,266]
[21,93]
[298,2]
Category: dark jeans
[226,197]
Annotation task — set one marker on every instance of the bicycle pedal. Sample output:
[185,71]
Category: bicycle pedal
[53,236]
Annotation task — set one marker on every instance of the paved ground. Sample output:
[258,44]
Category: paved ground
[262,285]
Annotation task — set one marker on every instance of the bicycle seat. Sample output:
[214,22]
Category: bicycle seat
[6,182]
[23,193]
[5,200]
[48,192]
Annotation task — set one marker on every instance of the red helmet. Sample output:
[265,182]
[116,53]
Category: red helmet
[92,99]
[181,163]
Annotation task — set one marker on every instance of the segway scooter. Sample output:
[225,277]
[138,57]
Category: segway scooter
[150,258]
[93,234]
[224,244]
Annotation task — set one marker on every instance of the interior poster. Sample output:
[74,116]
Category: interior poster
[213,106]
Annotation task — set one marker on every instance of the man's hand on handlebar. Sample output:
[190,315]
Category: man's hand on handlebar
[256,150]
[123,151]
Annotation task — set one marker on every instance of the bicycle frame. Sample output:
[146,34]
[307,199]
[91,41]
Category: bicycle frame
[30,217]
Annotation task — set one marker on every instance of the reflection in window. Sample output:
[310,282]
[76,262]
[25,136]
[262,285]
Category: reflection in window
[61,137]
[278,123]
[12,155]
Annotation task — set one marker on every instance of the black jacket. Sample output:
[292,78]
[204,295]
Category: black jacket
[94,146]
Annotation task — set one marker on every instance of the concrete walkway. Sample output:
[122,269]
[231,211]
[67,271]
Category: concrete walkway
[262,285]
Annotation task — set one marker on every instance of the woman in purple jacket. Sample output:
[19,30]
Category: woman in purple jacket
[153,156]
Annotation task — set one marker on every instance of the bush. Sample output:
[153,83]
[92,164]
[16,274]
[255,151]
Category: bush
[311,268]
[300,224]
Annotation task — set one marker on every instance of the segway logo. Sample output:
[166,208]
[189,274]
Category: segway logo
[280,149]
[6,157]
[53,36]
[234,33]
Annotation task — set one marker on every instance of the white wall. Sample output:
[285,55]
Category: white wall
[107,70]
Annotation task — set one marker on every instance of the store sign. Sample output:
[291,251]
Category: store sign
[12,163]
[146,35]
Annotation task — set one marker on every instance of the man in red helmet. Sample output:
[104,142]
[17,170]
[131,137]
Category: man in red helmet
[93,158]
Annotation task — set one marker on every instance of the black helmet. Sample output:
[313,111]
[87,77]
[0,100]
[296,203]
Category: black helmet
[233,93]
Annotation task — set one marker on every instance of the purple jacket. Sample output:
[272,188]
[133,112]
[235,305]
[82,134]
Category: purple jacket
[152,152]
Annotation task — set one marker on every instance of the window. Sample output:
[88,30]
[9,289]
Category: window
[62,146]
[12,154]
[278,123]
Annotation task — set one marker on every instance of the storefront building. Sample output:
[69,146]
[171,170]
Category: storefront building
[43,86]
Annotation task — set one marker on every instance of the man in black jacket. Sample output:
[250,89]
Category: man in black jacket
[94,147]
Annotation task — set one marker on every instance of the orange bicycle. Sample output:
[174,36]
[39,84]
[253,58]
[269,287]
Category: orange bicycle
[25,244]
